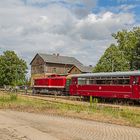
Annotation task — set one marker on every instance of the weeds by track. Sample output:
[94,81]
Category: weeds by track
[79,100]
[76,100]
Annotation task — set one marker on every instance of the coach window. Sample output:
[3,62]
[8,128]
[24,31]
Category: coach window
[123,80]
[100,80]
[87,81]
[108,81]
[81,81]
[126,80]
[114,80]
[92,81]
[54,70]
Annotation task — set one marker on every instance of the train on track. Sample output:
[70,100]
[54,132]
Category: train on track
[121,85]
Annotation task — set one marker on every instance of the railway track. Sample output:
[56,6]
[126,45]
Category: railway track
[76,100]
[73,98]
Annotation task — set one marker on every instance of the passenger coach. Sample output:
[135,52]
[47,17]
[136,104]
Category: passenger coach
[108,85]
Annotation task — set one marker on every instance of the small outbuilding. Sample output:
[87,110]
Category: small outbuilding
[80,69]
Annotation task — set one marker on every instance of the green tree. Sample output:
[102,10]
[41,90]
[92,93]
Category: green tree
[136,57]
[12,69]
[127,41]
[120,57]
[112,60]
[28,81]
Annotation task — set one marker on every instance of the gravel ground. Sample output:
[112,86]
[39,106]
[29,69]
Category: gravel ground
[29,126]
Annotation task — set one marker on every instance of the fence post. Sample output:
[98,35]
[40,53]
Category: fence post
[91,101]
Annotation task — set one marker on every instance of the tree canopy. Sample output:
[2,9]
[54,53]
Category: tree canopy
[12,69]
[136,57]
[121,57]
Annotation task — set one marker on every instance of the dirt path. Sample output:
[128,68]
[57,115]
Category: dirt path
[28,126]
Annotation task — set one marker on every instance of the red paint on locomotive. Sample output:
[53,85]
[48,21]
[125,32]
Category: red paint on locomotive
[54,83]
[51,82]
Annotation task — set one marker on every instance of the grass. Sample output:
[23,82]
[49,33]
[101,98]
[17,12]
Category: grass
[11,97]
[123,116]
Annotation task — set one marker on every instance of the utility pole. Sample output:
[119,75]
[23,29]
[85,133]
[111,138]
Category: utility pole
[122,53]
[112,62]
[112,65]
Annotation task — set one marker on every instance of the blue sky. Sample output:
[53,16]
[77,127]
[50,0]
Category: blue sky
[117,2]
[78,28]
[108,4]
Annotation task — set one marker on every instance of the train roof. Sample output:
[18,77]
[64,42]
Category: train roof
[108,74]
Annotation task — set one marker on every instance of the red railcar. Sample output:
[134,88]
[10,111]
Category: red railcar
[107,85]
[50,84]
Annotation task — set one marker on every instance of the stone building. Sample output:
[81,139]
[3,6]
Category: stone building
[45,64]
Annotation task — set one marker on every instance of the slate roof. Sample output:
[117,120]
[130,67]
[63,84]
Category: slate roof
[85,69]
[58,59]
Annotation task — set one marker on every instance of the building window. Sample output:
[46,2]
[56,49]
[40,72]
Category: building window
[54,70]
[45,69]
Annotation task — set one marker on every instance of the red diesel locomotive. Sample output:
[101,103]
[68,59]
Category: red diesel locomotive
[52,84]
[107,85]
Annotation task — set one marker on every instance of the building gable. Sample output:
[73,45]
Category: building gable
[37,60]
[74,70]
[80,69]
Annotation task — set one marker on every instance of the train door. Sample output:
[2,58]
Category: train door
[68,83]
[135,87]
[73,86]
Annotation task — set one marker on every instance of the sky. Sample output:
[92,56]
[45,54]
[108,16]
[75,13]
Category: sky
[77,28]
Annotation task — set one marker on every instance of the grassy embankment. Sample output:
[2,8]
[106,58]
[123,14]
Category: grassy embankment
[96,112]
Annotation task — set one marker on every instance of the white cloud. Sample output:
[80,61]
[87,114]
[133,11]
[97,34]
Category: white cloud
[56,29]
[101,26]
[125,7]
[79,7]
[88,3]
